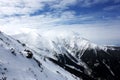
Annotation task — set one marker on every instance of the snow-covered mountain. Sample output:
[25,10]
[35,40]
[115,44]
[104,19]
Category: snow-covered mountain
[18,62]
[60,55]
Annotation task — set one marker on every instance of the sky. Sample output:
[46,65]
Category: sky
[96,20]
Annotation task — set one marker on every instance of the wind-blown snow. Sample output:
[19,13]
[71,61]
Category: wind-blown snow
[57,40]
[51,42]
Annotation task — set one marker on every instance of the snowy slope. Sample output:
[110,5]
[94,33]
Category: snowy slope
[56,40]
[15,65]
[74,54]
[50,43]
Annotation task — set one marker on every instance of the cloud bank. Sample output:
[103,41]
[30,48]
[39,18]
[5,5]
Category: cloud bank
[97,20]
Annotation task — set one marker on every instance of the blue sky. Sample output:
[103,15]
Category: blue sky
[96,20]
[97,9]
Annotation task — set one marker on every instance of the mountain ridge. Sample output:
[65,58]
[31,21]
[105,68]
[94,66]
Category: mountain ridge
[68,55]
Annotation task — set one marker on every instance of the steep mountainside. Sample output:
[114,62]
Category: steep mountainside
[19,62]
[76,55]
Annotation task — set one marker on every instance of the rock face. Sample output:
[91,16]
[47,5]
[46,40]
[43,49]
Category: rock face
[99,65]
[61,57]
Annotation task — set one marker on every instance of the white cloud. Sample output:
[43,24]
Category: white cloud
[114,7]
[26,23]
[68,14]
[63,4]
[26,7]
[12,25]
[103,34]
[89,3]
[106,33]
[11,7]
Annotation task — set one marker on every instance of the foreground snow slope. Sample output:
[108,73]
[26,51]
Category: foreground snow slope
[16,65]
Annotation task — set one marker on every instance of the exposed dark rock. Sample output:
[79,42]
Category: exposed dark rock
[29,54]
[104,65]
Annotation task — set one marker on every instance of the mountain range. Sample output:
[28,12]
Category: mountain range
[56,56]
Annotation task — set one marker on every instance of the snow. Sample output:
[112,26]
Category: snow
[58,41]
[15,66]
[51,43]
